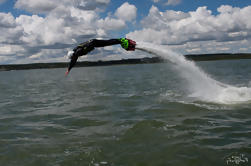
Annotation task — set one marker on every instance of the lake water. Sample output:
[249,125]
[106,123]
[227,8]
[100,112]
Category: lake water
[127,115]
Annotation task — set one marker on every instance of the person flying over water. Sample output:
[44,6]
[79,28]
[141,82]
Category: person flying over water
[88,46]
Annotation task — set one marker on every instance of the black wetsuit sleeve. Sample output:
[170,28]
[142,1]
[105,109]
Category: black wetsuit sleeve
[73,62]
[103,43]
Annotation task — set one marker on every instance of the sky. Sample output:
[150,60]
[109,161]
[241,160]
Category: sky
[37,31]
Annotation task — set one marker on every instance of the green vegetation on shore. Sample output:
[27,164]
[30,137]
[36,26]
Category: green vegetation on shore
[195,57]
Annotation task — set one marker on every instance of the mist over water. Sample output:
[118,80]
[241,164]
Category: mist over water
[199,84]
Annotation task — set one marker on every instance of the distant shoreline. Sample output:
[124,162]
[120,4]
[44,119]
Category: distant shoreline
[194,57]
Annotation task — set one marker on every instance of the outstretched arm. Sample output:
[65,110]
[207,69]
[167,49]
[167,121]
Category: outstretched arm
[71,64]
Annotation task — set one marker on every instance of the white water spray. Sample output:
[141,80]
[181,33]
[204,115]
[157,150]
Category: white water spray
[200,85]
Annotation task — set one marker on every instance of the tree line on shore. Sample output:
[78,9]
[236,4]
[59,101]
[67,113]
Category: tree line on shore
[194,57]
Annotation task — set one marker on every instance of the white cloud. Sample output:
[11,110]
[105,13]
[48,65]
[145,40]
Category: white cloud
[243,49]
[111,24]
[45,6]
[10,49]
[126,12]
[10,32]
[178,28]
[90,4]
[160,20]
[168,2]
[173,2]
[38,6]
[46,54]
[63,24]
[7,20]
[31,28]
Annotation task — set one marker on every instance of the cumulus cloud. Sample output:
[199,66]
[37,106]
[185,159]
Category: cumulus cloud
[63,24]
[7,20]
[10,32]
[38,6]
[45,6]
[168,2]
[46,54]
[10,49]
[91,4]
[126,12]
[111,24]
[173,2]
[55,27]
[178,28]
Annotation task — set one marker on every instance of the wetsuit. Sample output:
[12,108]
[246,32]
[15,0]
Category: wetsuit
[86,47]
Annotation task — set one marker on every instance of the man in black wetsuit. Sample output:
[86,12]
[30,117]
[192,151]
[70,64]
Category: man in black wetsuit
[86,47]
